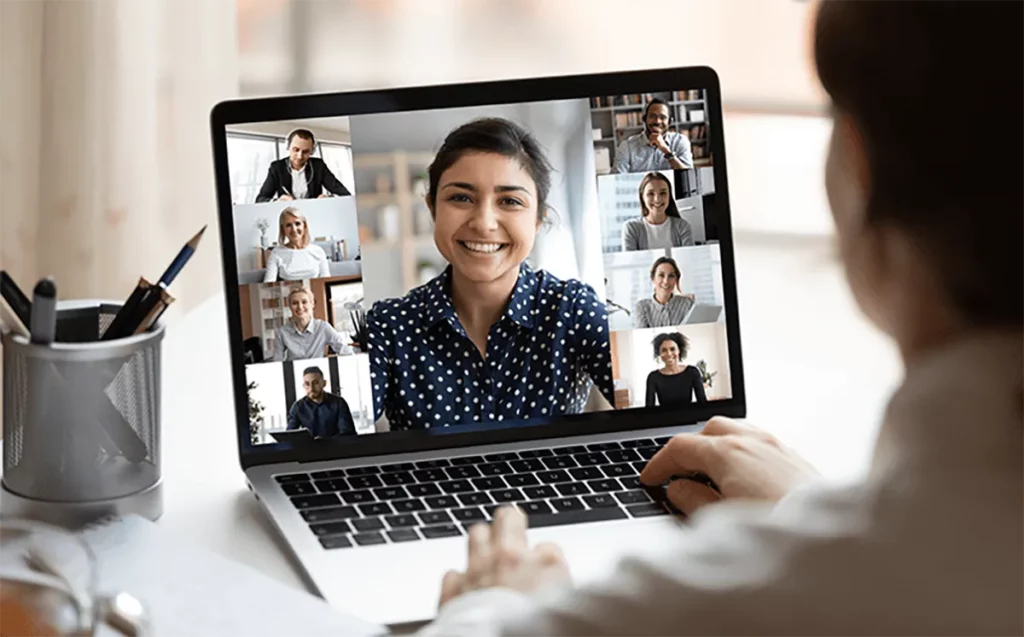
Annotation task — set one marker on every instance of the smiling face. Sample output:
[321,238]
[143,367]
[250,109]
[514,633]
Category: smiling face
[301,304]
[656,196]
[657,118]
[669,353]
[665,279]
[294,229]
[485,216]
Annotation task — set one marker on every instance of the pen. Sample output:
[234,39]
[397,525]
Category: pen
[44,312]
[16,299]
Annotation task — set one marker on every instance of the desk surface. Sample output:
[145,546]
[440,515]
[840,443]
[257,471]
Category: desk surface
[817,375]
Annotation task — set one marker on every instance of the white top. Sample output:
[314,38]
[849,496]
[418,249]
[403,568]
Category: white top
[658,236]
[928,543]
[288,264]
[299,183]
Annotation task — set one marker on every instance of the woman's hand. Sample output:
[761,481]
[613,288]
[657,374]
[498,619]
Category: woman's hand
[500,556]
[744,462]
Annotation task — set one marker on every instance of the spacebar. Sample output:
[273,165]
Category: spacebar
[575,517]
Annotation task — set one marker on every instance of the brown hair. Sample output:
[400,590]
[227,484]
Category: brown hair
[671,262]
[292,211]
[901,71]
[671,210]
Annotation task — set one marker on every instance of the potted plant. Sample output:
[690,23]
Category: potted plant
[255,415]
[708,378]
[263,224]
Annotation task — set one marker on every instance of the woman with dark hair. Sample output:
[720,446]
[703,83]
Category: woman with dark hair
[665,308]
[490,339]
[675,383]
[660,225]
[928,541]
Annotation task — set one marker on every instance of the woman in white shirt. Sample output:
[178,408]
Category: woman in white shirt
[295,258]
[929,541]
[660,225]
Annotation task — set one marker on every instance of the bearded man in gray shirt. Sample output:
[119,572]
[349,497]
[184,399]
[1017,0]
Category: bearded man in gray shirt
[654,148]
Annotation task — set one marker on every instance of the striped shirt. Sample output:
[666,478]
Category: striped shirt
[650,313]
[292,345]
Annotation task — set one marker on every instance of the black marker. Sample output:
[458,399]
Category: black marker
[15,298]
[44,312]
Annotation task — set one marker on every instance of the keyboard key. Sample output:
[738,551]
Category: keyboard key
[551,477]
[501,457]
[397,479]
[442,502]
[331,528]
[586,473]
[367,524]
[462,472]
[299,488]
[661,442]
[474,514]
[400,521]
[568,504]
[376,508]
[432,464]
[434,517]
[508,495]
[422,490]
[568,451]
[600,501]
[365,482]
[617,470]
[430,475]
[603,446]
[330,514]
[489,484]
[535,507]
[327,486]
[623,455]
[292,477]
[522,480]
[357,497]
[474,499]
[328,475]
[336,542]
[369,539]
[639,466]
[441,530]
[408,506]
[362,471]
[632,497]
[536,453]
[647,452]
[391,493]
[457,486]
[536,493]
[527,466]
[495,469]
[559,462]
[572,488]
[397,467]
[642,442]
[576,517]
[590,459]
[646,510]
[467,460]
[631,484]
[604,486]
[403,535]
[314,501]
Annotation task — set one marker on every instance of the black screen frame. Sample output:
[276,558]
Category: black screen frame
[310,106]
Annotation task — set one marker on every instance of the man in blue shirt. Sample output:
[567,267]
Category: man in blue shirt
[325,415]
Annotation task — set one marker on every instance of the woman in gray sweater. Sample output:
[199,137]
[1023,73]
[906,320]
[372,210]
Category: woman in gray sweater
[660,226]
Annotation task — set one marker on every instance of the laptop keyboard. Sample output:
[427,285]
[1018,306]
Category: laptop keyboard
[415,501]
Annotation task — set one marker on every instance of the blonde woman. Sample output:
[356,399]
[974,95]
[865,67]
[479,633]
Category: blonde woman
[294,258]
[304,337]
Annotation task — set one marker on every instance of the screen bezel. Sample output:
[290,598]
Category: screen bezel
[245,111]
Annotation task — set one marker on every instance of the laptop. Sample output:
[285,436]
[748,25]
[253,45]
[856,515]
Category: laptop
[703,313]
[455,202]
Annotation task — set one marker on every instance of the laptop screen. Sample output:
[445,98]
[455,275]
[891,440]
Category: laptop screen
[475,268]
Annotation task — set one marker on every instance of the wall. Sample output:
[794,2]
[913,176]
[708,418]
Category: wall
[331,130]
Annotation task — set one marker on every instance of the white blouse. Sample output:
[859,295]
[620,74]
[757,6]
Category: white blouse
[290,264]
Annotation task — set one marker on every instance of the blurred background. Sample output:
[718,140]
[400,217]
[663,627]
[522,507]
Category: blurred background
[106,166]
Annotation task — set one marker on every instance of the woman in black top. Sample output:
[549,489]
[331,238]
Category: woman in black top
[674,383]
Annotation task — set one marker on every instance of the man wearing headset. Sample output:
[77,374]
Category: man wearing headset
[654,148]
[299,175]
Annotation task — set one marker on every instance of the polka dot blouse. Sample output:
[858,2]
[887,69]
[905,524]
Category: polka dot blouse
[543,355]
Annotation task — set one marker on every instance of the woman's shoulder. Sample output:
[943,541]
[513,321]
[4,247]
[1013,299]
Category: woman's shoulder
[315,250]
[633,223]
[413,301]
[644,303]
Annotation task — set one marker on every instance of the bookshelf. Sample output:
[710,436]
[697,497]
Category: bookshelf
[616,117]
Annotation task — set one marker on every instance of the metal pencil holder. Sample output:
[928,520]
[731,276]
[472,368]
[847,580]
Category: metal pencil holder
[81,421]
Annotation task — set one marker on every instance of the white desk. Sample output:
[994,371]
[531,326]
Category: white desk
[817,375]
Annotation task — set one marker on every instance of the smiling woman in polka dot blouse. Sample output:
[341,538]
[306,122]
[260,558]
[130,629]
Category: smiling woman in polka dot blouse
[490,339]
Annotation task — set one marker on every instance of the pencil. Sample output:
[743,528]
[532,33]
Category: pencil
[179,262]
